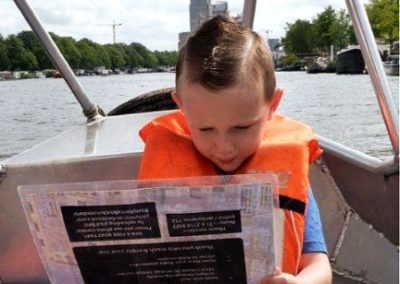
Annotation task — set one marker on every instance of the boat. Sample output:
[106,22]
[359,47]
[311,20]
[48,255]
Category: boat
[391,65]
[350,61]
[358,195]
[317,65]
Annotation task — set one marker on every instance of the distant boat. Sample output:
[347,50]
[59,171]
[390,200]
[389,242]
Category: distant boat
[391,65]
[57,75]
[317,65]
[350,61]
[297,66]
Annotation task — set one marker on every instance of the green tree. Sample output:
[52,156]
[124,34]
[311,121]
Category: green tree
[4,62]
[299,37]
[69,50]
[123,49]
[173,58]
[328,28]
[291,59]
[102,55]
[149,59]
[117,56]
[166,58]
[32,44]
[135,58]
[384,18]
[28,39]
[324,28]
[162,58]
[88,54]
[19,57]
[24,52]
[342,31]
[92,54]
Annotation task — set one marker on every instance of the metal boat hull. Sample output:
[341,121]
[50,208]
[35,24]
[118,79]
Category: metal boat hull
[361,233]
[350,61]
[391,69]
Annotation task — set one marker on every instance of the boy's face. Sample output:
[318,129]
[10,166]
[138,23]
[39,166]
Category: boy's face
[227,126]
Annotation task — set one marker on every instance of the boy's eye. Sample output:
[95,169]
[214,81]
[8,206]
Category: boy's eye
[242,127]
[205,129]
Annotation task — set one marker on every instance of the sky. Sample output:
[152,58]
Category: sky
[153,23]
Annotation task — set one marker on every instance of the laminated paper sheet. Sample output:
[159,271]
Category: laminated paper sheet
[198,230]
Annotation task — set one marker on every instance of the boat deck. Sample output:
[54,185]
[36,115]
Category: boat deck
[110,150]
[112,135]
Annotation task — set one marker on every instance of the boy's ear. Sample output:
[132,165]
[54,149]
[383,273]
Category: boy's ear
[276,100]
[176,99]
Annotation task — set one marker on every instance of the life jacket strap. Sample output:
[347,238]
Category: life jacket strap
[292,204]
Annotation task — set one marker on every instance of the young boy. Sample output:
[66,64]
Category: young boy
[225,89]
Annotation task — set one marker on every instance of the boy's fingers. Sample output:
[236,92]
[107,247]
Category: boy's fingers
[272,278]
[277,271]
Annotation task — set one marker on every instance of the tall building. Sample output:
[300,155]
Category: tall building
[273,43]
[200,11]
[221,8]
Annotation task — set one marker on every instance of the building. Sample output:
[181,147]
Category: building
[273,43]
[200,11]
[182,38]
[221,8]
[5,75]
[277,51]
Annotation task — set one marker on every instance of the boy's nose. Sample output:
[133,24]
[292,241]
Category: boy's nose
[224,145]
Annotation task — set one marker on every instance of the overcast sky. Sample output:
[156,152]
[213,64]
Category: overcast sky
[154,23]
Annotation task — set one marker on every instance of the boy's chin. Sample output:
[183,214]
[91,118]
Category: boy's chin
[230,168]
[222,172]
[227,169]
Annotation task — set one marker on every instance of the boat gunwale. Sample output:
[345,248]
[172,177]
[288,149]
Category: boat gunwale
[365,161]
[362,160]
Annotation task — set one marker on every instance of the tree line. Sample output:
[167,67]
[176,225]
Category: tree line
[24,52]
[332,27]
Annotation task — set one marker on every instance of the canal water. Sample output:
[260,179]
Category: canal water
[342,108]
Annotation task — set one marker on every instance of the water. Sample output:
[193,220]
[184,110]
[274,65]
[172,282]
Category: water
[340,107]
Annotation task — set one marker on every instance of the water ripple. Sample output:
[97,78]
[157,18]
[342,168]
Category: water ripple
[342,108]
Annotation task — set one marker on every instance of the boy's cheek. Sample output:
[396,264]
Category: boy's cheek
[201,146]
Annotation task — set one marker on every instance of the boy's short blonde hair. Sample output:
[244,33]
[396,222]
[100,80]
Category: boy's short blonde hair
[223,53]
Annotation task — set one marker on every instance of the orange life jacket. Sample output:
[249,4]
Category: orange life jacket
[288,146]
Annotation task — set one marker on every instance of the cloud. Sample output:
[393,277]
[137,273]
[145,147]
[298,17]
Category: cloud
[53,17]
[12,21]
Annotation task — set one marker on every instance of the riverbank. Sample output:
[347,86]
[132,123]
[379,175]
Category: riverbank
[99,71]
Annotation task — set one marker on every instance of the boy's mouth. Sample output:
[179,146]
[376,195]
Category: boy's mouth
[226,164]
[226,160]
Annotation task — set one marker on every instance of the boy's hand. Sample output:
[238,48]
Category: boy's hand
[314,268]
[279,278]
